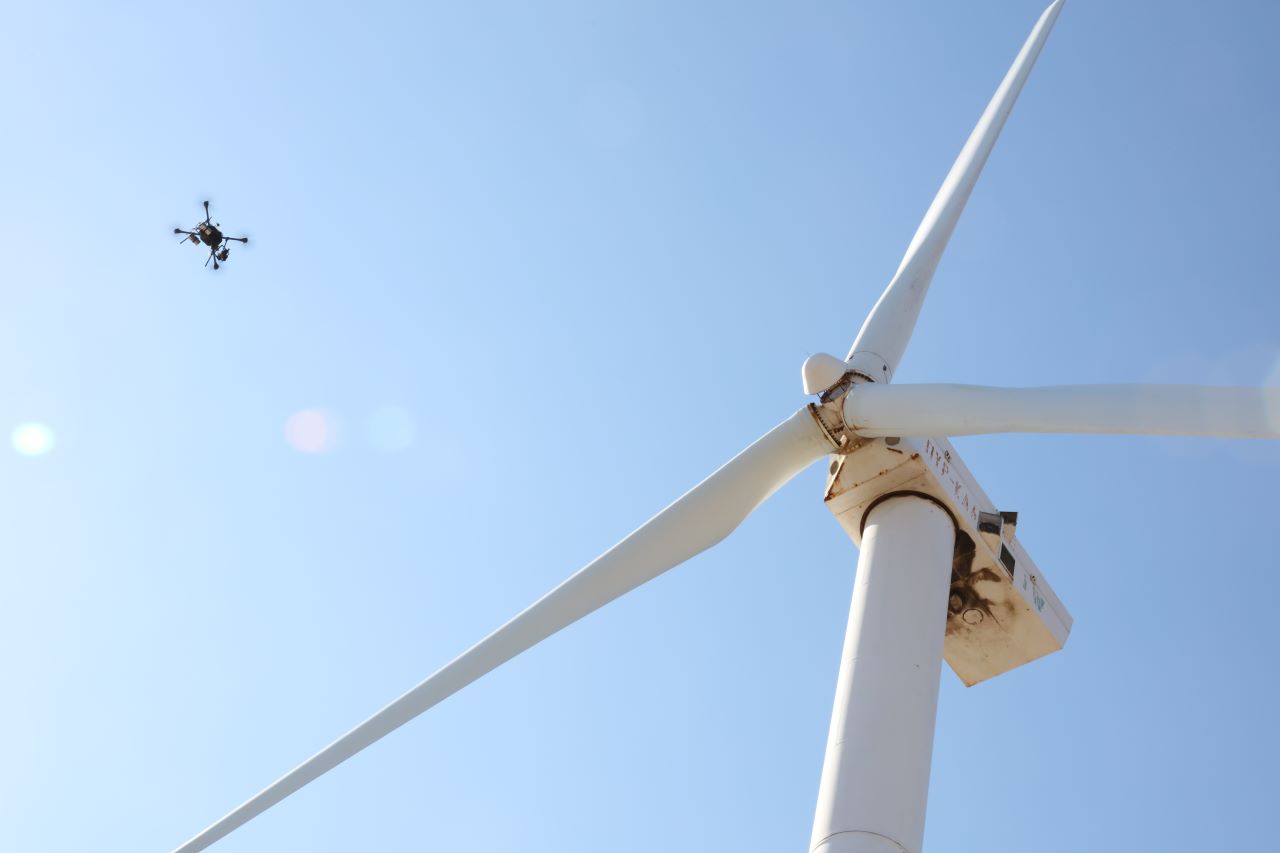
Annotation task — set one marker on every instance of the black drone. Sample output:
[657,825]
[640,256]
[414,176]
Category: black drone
[207,232]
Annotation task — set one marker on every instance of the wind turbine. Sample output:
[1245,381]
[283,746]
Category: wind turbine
[941,572]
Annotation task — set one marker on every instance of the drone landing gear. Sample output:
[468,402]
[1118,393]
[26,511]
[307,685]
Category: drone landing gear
[221,252]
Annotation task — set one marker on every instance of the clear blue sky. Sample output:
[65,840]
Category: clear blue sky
[585,247]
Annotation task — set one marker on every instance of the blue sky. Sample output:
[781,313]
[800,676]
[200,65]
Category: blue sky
[582,249]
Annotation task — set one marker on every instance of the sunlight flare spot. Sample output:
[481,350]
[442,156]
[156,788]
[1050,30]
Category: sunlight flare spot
[311,431]
[391,429]
[32,439]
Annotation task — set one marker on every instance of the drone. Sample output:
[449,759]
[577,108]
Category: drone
[207,232]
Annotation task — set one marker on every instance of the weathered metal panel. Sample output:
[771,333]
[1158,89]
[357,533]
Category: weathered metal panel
[1002,612]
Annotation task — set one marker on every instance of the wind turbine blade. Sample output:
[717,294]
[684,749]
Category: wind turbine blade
[695,522]
[927,410]
[884,336]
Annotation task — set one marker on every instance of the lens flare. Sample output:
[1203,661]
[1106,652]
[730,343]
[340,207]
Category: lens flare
[391,429]
[32,439]
[311,431]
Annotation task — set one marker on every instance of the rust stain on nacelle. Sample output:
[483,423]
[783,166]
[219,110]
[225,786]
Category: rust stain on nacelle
[1001,613]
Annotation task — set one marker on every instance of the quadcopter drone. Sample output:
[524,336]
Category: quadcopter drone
[207,232]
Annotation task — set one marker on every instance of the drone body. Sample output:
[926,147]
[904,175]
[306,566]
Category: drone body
[209,233]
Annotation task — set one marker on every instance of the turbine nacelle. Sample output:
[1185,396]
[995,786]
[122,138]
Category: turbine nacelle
[1002,612]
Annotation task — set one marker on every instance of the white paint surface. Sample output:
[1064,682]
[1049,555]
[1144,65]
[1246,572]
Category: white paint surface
[925,410]
[699,519]
[884,335]
[875,776]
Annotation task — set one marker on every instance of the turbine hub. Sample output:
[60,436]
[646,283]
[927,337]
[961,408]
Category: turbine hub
[821,372]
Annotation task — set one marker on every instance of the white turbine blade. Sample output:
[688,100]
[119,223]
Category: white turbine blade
[701,518]
[926,410]
[883,338]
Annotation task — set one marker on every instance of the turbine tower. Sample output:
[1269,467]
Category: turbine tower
[941,573]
